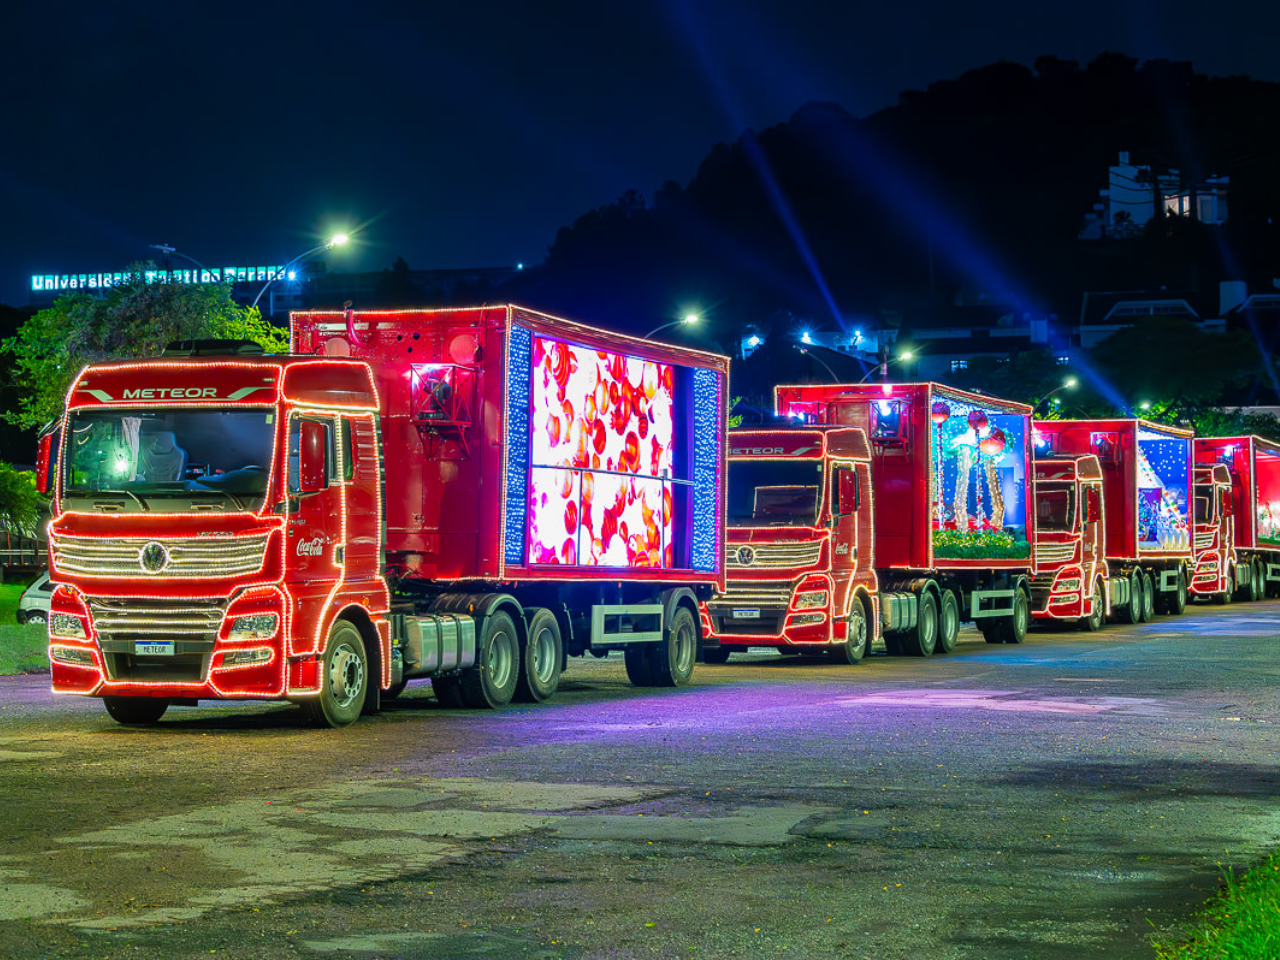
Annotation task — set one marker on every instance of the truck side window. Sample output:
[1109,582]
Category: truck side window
[846,495]
[348,451]
[295,444]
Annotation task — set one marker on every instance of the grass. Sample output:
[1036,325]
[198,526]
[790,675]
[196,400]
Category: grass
[23,649]
[1241,923]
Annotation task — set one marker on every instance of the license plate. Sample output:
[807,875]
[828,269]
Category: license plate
[154,648]
[746,614]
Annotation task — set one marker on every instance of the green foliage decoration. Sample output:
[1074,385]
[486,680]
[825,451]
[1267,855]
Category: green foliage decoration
[979,545]
[132,320]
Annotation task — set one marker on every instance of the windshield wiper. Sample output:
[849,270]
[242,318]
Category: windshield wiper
[128,493]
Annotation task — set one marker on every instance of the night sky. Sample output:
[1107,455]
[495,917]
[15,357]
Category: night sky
[459,135]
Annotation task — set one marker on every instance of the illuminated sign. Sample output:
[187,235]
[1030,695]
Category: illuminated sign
[66,282]
[602,445]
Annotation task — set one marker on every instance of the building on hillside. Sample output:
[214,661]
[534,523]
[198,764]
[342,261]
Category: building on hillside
[1130,200]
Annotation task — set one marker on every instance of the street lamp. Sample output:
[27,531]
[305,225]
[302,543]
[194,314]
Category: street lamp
[169,251]
[813,356]
[337,240]
[884,365]
[687,319]
[1068,384]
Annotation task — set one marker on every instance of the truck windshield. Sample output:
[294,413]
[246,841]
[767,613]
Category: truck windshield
[1056,508]
[774,492]
[169,454]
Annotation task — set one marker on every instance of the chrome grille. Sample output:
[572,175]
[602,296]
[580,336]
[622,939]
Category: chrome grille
[180,620]
[1055,552]
[765,555]
[751,593]
[1203,541]
[188,558]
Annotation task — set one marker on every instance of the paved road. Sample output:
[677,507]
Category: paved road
[1063,798]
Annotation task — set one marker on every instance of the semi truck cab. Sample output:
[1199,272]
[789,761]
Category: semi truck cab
[1216,573]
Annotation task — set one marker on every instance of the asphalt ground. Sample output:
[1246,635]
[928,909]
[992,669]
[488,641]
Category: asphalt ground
[1065,798]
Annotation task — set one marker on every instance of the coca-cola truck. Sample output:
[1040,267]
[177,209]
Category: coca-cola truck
[951,480]
[1146,486]
[1237,518]
[1073,582]
[465,495]
[799,545]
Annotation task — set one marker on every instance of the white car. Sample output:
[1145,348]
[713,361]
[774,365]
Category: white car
[33,605]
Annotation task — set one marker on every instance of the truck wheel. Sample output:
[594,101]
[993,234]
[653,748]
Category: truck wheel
[854,647]
[717,655]
[1093,622]
[1015,628]
[1148,597]
[639,667]
[491,683]
[921,641]
[1255,580]
[1131,612]
[541,657]
[948,623]
[672,659]
[1244,592]
[1228,591]
[344,678]
[1178,599]
[135,711]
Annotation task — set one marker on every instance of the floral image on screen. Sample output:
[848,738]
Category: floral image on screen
[602,450]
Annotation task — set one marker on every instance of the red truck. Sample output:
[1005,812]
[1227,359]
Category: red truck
[1237,518]
[1073,582]
[951,479]
[1146,483]
[799,545]
[465,495]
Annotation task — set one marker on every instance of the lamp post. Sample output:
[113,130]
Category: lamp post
[1068,384]
[169,251]
[805,351]
[885,364]
[337,240]
[686,319]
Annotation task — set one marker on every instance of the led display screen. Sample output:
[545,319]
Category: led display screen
[602,442]
[1164,478]
[978,499]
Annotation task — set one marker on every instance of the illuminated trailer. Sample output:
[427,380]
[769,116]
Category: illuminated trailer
[1237,517]
[1146,487]
[951,477]
[468,495]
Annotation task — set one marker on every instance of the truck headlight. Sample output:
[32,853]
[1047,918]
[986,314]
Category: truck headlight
[1070,585]
[811,601]
[65,625]
[258,626]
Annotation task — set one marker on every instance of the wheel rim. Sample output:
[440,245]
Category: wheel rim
[346,675]
[682,644]
[1096,616]
[544,656]
[499,662]
[857,633]
[928,631]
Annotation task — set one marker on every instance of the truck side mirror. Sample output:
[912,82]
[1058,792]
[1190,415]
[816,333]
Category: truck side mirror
[44,463]
[313,456]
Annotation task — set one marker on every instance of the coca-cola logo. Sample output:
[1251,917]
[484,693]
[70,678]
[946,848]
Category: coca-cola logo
[311,548]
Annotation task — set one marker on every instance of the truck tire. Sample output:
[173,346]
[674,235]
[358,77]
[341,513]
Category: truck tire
[1148,597]
[857,637]
[1131,612]
[1244,592]
[1015,627]
[716,655]
[1255,580]
[921,641]
[344,678]
[671,661]
[1228,590]
[639,667]
[1178,599]
[1093,622]
[491,683]
[135,711]
[541,657]
[948,623]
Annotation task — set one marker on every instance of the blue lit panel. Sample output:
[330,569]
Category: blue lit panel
[708,422]
[519,383]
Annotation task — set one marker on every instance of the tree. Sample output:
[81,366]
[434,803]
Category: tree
[133,320]
[21,507]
